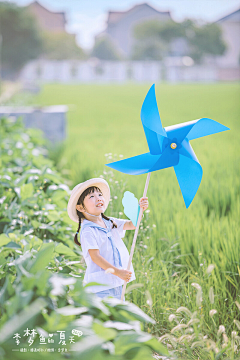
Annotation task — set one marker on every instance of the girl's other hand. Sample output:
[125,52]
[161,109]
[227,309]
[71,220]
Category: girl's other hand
[124,274]
[143,202]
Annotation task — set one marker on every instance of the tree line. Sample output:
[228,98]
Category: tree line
[22,40]
[154,40]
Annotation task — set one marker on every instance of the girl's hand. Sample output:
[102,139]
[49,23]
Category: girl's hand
[143,202]
[124,274]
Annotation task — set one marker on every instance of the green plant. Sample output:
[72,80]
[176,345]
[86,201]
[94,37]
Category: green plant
[42,294]
[191,336]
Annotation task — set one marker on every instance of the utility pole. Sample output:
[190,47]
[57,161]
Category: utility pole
[0,63]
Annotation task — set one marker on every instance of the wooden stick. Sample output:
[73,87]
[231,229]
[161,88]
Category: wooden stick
[135,235]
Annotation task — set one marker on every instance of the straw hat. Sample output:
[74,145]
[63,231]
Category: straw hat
[80,188]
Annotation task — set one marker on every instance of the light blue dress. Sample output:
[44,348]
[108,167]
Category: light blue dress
[112,248]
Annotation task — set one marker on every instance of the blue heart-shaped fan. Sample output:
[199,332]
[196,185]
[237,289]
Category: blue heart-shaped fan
[131,207]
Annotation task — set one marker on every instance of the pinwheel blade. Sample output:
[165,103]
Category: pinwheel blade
[188,172]
[151,122]
[135,165]
[145,163]
[205,127]
[194,129]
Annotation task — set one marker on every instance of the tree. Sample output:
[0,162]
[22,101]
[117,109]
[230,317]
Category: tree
[166,30]
[21,40]
[207,40]
[154,39]
[104,49]
[149,50]
[61,46]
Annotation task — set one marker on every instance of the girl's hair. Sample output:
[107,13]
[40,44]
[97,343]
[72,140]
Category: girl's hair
[89,190]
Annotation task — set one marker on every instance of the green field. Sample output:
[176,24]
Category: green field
[105,119]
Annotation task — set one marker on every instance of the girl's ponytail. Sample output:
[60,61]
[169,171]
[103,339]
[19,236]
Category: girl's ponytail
[76,235]
[107,218]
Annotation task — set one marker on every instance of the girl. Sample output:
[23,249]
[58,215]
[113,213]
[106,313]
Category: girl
[104,251]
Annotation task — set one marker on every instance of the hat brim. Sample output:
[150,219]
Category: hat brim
[80,188]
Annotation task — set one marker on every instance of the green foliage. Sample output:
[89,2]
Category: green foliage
[149,50]
[154,38]
[21,40]
[104,49]
[40,271]
[61,46]
[166,31]
[30,190]
[207,40]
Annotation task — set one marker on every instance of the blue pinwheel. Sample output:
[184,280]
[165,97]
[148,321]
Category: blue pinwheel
[168,147]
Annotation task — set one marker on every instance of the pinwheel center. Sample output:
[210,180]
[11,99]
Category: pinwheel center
[173,145]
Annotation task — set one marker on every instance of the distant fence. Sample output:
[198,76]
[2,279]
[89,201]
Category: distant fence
[94,71]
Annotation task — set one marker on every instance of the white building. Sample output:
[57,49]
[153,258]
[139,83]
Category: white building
[230,26]
[120,25]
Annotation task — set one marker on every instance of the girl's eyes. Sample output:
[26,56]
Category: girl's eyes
[92,196]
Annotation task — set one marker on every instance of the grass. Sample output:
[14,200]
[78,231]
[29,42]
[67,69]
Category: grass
[105,119]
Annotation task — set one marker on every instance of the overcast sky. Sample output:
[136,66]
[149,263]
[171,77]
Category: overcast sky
[86,18]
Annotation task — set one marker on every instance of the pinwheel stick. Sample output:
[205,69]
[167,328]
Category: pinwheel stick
[135,235]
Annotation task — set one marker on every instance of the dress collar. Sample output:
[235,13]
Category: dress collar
[107,223]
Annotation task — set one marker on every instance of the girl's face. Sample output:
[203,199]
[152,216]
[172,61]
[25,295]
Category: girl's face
[94,203]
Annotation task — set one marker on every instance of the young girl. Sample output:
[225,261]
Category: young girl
[101,238]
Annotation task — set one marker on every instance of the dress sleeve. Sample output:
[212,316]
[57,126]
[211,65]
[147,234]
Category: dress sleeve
[120,223]
[88,241]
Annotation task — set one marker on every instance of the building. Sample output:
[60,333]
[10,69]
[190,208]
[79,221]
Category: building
[230,25]
[47,20]
[120,25]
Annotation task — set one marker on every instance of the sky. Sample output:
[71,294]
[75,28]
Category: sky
[86,18]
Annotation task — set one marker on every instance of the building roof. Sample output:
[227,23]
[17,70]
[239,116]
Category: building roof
[235,14]
[115,16]
[52,12]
